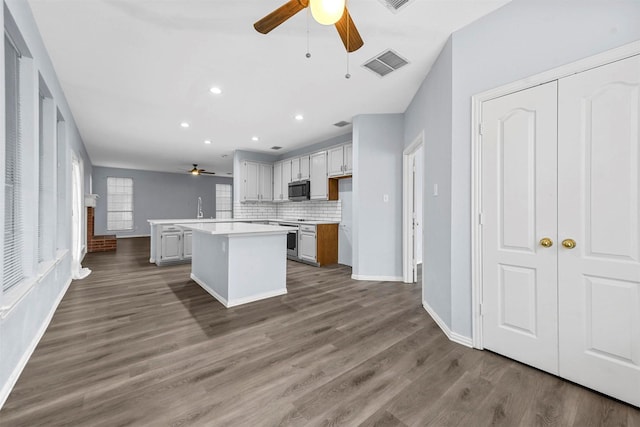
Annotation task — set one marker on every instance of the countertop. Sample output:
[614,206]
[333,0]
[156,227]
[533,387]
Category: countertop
[227,228]
[234,220]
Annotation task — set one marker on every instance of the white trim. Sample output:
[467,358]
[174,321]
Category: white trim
[132,235]
[237,301]
[582,65]
[408,249]
[453,336]
[20,291]
[13,378]
[377,278]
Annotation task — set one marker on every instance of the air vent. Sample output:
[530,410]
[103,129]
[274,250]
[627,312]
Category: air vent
[395,5]
[385,63]
[342,124]
[275,147]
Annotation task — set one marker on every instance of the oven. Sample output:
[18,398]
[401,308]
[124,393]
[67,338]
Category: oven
[292,240]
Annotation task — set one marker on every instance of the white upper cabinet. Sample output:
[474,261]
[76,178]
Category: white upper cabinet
[340,160]
[319,180]
[300,170]
[278,196]
[250,174]
[265,184]
[257,182]
[348,159]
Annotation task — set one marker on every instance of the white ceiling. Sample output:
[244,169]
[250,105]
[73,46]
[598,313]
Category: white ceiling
[133,70]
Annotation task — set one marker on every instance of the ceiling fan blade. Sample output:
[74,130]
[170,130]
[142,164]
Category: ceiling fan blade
[280,15]
[348,32]
[207,173]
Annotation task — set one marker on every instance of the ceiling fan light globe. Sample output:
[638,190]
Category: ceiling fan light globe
[327,12]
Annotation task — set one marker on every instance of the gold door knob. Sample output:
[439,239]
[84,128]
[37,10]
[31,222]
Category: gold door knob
[546,242]
[569,243]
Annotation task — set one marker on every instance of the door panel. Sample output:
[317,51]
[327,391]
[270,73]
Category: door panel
[517,180]
[598,156]
[519,206]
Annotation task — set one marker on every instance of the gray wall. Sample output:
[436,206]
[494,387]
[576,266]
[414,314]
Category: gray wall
[430,111]
[523,38]
[22,326]
[377,170]
[157,195]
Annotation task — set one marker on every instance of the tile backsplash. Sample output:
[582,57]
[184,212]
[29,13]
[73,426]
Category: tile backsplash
[311,209]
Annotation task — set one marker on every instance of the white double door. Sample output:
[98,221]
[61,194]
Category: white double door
[561,232]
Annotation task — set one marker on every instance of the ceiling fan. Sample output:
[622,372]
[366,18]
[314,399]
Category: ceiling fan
[196,171]
[327,12]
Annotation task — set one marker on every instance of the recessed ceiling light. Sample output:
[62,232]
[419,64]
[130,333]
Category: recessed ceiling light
[255,138]
[215,90]
[206,141]
[184,124]
[299,117]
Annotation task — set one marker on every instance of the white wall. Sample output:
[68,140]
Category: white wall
[521,39]
[377,171]
[23,321]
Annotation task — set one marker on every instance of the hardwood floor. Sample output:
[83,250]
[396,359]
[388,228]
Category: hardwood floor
[136,344]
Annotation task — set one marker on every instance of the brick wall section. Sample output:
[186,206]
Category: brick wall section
[98,243]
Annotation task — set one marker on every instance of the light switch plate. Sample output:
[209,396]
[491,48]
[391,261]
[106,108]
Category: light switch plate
[385,198]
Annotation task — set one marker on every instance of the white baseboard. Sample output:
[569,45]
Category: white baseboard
[377,278]
[453,336]
[237,301]
[13,378]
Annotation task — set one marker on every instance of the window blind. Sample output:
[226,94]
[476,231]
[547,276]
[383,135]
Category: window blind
[41,180]
[13,271]
[119,203]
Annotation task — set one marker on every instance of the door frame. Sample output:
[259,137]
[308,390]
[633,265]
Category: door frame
[408,190]
[477,100]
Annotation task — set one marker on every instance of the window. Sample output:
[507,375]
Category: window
[223,201]
[119,203]
[46,176]
[13,205]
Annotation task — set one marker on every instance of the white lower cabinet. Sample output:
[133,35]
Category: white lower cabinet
[307,243]
[175,245]
[171,246]
[186,244]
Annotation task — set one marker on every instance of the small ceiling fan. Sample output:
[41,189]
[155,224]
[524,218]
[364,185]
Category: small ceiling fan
[196,171]
[327,12]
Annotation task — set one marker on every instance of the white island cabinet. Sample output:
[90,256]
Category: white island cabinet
[171,244]
[238,263]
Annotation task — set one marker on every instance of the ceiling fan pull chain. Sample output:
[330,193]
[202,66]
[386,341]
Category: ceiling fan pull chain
[347,76]
[308,55]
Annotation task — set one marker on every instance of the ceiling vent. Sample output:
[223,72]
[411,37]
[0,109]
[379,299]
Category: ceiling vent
[275,147]
[385,63]
[341,124]
[395,5]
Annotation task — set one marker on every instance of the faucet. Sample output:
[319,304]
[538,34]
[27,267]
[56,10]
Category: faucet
[200,214]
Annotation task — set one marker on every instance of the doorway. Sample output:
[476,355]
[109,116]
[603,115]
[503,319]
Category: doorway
[345,241]
[560,227]
[412,183]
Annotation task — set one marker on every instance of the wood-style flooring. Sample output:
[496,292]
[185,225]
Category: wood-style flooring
[136,344]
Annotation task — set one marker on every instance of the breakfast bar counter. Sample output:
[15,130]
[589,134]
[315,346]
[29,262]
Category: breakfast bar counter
[237,262]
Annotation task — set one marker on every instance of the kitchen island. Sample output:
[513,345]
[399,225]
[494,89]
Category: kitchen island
[237,262]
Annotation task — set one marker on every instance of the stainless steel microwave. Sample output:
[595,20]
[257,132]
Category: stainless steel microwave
[299,191]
